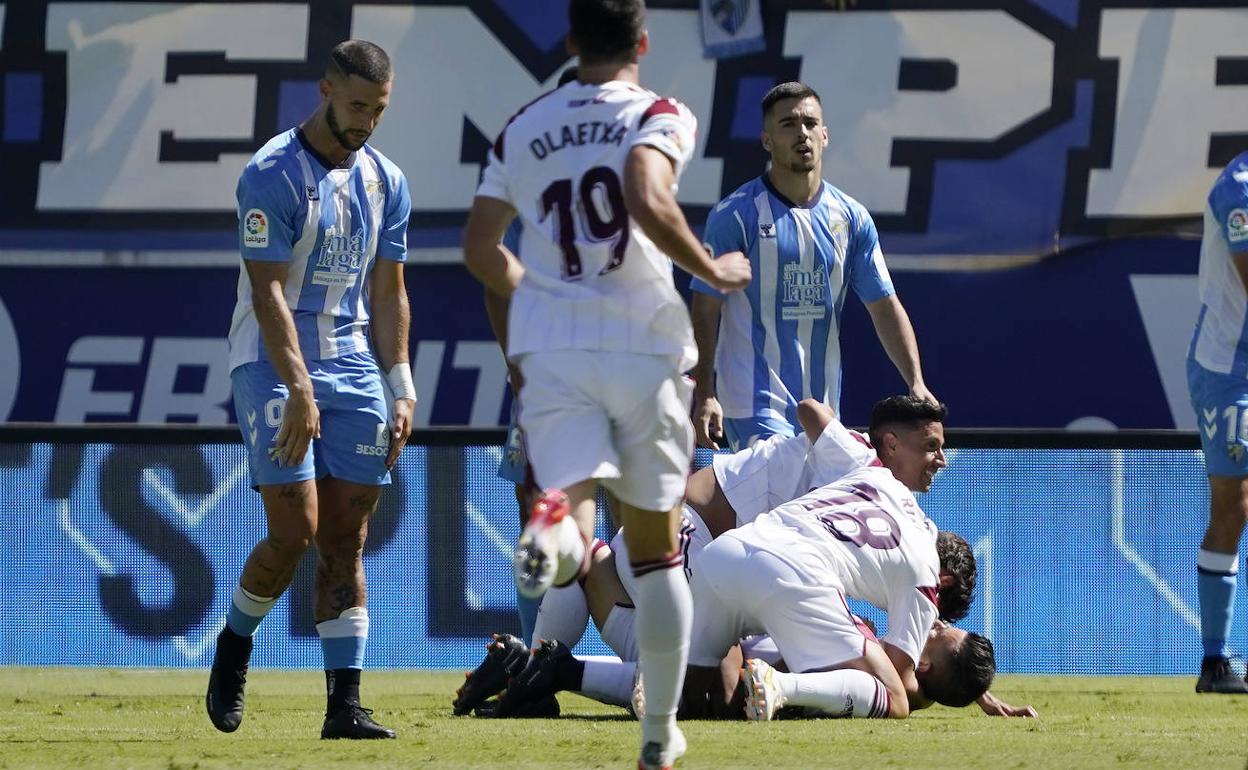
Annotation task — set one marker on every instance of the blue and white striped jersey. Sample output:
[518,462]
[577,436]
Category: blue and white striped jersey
[779,339]
[329,225]
[1220,343]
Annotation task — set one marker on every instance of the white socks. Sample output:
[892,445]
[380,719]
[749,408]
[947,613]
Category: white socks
[563,615]
[664,619]
[844,693]
[608,680]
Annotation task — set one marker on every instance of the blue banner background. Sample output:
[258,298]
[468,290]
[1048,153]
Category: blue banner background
[1086,557]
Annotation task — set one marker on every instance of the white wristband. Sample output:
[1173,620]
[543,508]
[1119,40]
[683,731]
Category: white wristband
[400,379]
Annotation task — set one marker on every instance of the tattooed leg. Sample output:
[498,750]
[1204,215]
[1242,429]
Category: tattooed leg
[290,510]
[340,583]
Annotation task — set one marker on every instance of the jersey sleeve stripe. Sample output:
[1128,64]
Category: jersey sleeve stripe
[660,107]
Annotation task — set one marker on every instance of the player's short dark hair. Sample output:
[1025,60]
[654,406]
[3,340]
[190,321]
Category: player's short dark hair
[362,58]
[790,90]
[568,75]
[606,30]
[965,675]
[956,558]
[906,410]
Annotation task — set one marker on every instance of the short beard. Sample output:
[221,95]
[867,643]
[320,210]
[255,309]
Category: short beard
[339,134]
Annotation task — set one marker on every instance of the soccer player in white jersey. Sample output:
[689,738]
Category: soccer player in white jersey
[788,572]
[1217,376]
[596,326]
[910,432]
[763,350]
[322,312]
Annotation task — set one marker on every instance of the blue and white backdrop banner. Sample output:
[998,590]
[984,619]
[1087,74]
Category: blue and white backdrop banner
[1005,149]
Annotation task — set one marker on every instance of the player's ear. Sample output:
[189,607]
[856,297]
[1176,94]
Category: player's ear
[569,45]
[766,140]
[327,88]
[643,45]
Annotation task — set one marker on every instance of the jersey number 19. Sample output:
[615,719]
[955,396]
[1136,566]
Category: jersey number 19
[603,217]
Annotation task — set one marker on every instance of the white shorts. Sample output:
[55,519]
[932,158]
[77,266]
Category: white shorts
[621,418]
[765,475]
[619,634]
[694,536]
[740,590]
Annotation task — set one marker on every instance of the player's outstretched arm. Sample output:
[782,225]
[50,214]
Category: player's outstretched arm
[649,196]
[896,333]
[301,420]
[391,319]
[485,256]
[708,415]
[995,707]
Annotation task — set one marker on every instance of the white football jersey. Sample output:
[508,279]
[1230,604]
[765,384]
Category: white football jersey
[593,280]
[866,535]
[780,468]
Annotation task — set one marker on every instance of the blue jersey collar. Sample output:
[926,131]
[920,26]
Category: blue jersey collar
[772,189]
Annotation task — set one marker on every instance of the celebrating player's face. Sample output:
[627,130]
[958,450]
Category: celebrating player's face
[354,109]
[795,135]
[919,454]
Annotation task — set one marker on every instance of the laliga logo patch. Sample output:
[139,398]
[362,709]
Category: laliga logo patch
[766,230]
[1236,451]
[255,229]
[1237,225]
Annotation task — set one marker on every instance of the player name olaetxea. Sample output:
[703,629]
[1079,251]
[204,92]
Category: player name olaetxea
[589,132]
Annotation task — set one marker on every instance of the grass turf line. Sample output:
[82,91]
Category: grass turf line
[105,718]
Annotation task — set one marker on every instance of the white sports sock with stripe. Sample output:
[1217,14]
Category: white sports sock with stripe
[844,693]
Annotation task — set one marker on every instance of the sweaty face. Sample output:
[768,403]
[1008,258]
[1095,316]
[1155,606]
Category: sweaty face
[794,134]
[354,109]
[918,454]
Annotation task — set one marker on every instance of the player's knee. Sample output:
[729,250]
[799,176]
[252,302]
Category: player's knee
[813,415]
[342,544]
[290,545]
[1229,506]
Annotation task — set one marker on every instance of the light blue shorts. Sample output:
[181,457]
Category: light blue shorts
[742,432]
[514,465]
[354,421]
[1221,404]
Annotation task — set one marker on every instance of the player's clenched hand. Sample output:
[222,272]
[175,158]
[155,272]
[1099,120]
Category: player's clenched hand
[708,421]
[731,271]
[301,422]
[400,427]
[922,392]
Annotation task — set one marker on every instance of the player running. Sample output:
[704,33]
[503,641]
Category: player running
[596,326]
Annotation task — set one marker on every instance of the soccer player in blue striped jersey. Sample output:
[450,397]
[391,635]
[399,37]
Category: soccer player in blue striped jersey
[763,350]
[321,313]
[1217,376]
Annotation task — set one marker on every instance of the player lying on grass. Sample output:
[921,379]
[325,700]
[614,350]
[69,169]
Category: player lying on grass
[912,447]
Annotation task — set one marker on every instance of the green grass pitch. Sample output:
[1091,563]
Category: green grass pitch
[106,718]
